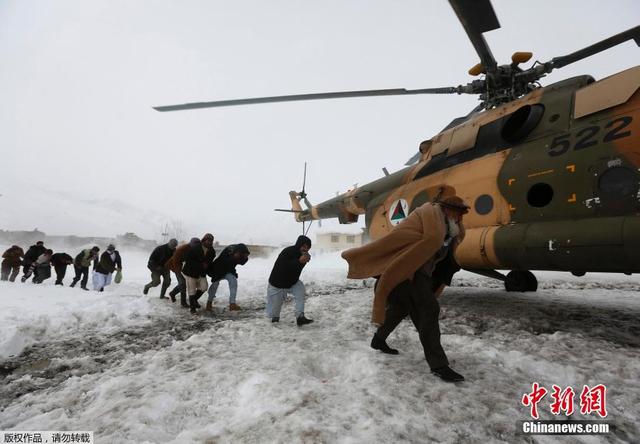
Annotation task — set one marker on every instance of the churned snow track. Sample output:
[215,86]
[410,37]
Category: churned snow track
[247,380]
[50,363]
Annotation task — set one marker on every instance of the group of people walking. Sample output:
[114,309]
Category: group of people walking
[193,262]
[38,259]
[412,264]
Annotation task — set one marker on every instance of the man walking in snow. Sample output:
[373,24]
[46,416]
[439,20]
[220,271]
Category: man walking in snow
[81,265]
[197,261]
[224,267]
[406,261]
[60,261]
[11,261]
[285,279]
[41,268]
[32,254]
[175,264]
[158,266]
[109,262]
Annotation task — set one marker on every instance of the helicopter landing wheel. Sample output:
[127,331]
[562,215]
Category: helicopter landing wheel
[519,280]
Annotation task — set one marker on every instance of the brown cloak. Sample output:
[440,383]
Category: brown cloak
[398,255]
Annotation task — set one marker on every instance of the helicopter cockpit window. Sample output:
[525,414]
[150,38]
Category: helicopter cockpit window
[519,124]
[540,195]
[420,199]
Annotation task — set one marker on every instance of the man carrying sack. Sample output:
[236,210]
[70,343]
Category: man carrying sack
[412,263]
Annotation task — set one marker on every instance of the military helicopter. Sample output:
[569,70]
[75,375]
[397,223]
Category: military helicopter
[551,173]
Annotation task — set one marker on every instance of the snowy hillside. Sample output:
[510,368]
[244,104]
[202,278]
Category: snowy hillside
[138,369]
[53,212]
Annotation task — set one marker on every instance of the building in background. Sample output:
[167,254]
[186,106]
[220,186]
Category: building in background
[333,241]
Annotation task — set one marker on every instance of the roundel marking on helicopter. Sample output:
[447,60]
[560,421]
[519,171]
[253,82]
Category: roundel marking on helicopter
[398,211]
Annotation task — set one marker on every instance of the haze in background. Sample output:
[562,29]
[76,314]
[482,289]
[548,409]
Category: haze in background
[84,153]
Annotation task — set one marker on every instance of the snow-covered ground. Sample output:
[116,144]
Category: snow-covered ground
[135,368]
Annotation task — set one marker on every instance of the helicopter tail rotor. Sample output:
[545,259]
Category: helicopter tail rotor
[296,198]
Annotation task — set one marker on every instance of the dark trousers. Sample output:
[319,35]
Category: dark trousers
[61,270]
[417,300]
[26,270]
[181,287]
[81,272]
[7,270]
[41,273]
[155,280]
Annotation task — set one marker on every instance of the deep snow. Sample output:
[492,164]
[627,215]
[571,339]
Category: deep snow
[139,369]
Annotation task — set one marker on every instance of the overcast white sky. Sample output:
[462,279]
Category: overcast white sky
[79,79]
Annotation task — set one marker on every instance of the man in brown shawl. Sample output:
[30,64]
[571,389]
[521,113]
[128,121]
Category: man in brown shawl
[412,263]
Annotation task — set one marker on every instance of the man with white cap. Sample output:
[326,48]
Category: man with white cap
[109,262]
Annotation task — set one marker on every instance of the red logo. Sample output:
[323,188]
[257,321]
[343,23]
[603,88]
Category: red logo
[592,400]
[562,401]
[532,399]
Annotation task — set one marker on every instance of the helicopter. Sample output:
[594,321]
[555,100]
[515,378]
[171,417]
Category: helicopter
[551,172]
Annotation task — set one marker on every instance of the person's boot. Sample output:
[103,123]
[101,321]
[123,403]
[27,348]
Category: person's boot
[447,374]
[275,319]
[74,282]
[378,343]
[197,296]
[59,283]
[183,300]
[209,307]
[172,295]
[84,287]
[192,304]
[301,320]
[234,307]
[146,290]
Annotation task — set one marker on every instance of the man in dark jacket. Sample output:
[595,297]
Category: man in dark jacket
[60,262]
[81,265]
[41,268]
[158,266]
[32,254]
[11,261]
[110,261]
[224,267]
[285,278]
[196,264]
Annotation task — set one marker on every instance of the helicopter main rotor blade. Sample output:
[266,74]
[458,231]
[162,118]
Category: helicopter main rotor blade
[318,96]
[630,34]
[477,17]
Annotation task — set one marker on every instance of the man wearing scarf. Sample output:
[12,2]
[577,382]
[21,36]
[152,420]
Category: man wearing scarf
[411,263]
